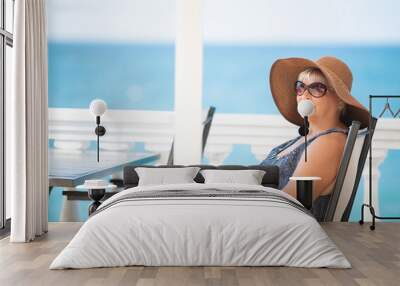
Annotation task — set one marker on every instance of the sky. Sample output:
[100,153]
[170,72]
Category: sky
[225,21]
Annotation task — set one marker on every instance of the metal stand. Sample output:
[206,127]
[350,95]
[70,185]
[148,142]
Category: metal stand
[369,205]
[100,131]
[96,195]
[304,190]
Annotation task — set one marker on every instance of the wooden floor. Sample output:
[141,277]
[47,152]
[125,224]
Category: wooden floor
[375,257]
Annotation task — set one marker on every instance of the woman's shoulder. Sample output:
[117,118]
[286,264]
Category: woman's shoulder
[332,142]
[332,135]
[339,136]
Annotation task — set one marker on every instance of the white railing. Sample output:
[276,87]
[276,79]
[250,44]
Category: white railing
[73,129]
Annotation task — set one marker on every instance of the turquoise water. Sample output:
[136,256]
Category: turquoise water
[137,76]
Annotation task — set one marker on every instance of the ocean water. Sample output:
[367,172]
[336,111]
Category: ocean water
[139,76]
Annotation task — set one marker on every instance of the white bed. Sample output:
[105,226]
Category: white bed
[189,230]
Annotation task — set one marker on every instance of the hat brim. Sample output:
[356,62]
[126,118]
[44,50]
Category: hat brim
[283,75]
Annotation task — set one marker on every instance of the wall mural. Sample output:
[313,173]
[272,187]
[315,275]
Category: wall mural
[130,63]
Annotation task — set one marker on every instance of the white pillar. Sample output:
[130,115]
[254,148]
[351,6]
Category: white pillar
[70,209]
[378,156]
[188,82]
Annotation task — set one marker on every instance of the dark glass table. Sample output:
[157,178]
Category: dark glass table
[68,170]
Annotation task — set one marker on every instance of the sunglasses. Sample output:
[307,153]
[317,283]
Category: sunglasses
[316,89]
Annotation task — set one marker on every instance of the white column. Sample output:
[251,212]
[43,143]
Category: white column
[70,209]
[378,156]
[188,82]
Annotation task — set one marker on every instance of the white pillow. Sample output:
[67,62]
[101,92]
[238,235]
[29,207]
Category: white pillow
[248,177]
[165,176]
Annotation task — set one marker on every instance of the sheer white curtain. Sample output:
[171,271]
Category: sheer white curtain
[27,121]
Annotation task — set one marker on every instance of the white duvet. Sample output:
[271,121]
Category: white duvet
[200,231]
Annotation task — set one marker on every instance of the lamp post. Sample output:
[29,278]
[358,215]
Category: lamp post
[98,107]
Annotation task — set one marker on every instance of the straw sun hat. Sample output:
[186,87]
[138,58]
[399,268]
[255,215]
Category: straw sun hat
[284,73]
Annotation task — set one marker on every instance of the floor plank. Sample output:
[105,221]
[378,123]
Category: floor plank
[374,255]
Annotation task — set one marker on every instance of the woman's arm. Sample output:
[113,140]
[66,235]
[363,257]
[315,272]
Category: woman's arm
[323,159]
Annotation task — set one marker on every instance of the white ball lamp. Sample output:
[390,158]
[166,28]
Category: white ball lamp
[98,107]
[305,108]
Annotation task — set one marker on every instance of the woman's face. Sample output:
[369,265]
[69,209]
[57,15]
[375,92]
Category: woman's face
[325,105]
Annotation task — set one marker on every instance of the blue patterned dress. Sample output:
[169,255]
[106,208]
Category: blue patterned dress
[287,165]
